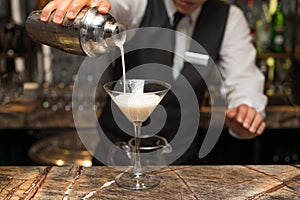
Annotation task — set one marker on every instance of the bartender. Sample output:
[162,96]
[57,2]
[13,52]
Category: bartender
[219,27]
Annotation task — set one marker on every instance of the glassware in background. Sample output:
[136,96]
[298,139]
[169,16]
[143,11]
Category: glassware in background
[58,80]
[290,90]
[277,71]
[283,70]
[137,103]
[57,97]
[61,149]
[11,87]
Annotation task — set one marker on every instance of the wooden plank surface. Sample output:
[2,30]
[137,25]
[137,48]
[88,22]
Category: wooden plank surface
[177,182]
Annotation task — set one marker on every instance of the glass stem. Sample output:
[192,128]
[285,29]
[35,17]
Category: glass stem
[137,168]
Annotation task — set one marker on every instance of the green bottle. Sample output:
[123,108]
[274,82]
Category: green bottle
[263,26]
[277,29]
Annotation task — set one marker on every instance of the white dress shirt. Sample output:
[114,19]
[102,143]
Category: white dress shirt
[243,81]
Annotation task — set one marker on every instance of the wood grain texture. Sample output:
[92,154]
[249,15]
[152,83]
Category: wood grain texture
[177,182]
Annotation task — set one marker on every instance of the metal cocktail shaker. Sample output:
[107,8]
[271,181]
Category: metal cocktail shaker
[90,34]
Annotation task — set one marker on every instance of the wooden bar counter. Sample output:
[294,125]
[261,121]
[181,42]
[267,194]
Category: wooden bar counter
[178,182]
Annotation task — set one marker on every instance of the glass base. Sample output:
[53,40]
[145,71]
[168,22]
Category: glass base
[137,181]
[294,184]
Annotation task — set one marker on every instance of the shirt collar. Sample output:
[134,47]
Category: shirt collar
[170,7]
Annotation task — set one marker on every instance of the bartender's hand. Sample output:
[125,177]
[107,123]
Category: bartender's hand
[245,121]
[71,8]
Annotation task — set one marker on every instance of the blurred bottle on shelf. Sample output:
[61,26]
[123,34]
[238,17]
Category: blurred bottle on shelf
[2,60]
[278,29]
[277,72]
[263,33]
[270,82]
[14,49]
[9,46]
[1,40]
[282,70]
[251,14]
[11,83]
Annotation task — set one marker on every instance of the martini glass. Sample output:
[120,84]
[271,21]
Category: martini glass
[137,98]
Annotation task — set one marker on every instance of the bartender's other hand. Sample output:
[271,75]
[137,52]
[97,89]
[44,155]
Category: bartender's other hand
[71,8]
[245,121]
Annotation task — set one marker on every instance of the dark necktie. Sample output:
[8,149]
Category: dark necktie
[176,19]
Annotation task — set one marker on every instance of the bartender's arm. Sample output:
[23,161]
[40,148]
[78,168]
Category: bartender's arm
[243,81]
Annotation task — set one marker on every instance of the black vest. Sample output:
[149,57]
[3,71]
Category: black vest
[208,32]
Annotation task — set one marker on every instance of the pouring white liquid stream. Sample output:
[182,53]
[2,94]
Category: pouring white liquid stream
[121,47]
